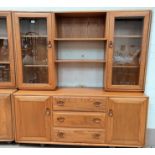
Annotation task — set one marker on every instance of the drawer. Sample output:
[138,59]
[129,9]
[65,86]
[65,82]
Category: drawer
[79,119]
[79,103]
[79,135]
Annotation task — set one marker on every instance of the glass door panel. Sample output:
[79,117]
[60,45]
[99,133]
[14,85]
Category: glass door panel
[4,52]
[127,39]
[34,40]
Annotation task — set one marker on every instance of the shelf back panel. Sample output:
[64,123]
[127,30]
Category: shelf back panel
[81,27]
[80,50]
[80,75]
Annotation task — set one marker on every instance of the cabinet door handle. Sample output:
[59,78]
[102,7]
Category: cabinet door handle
[110,44]
[49,44]
[110,113]
[61,119]
[96,136]
[97,104]
[97,120]
[48,111]
[60,103]
[60,134]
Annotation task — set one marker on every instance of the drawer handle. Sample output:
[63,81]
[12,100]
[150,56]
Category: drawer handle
[97,120]
[96,136]
[47,111]
[60,134]
[110,113]
[97,104]
[61,119]
[60,103]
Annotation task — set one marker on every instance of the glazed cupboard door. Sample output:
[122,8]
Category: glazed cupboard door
[33,35]
[128,41]
[7,76]
[126,121]
[32,115]
[6,133]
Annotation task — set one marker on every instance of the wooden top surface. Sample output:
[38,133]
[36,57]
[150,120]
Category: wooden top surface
[7,91]
[79,92]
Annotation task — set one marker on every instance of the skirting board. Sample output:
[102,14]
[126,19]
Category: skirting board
[150,138]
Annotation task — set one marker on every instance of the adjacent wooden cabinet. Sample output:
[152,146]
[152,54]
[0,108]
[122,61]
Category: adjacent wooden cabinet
[127,120]
[33,118]
[6,119]
[33,39]
[7,70]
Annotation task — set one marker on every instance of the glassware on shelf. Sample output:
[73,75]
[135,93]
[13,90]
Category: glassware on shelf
[33,49]
[28,60]
[127,55]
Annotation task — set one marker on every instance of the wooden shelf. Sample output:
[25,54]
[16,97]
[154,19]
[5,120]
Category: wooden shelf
[34,36]
[128,36]
[126,66]
[4,62]
[79,61]
[80,39]
[35,65]
[5,38]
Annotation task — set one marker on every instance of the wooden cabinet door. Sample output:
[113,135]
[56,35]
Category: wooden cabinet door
[33,37]
[5,118]
[128,42]
[126,121]
[32,118]
[7,73]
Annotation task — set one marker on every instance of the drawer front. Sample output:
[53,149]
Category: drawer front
[79,135]
[79,119]
[79,103]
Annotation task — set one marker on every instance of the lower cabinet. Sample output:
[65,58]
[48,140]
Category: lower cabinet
[6,129]
[120,123]
[126,121]
[33,118]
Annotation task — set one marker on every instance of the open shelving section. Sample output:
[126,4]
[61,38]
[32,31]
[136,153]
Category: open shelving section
[80,39]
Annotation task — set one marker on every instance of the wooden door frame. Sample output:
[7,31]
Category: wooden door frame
[51,75]
[144,46]
[12,83]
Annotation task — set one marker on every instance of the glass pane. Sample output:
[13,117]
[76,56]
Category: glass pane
[35,74]
[4,53]
[4,73]
[34,49]
[125,76]
[128,26]
[127,50]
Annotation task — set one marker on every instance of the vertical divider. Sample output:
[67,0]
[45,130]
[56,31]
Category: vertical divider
[54,48]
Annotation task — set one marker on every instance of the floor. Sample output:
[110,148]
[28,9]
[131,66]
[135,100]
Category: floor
[14,145]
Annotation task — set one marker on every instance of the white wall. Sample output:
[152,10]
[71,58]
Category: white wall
[150,78]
